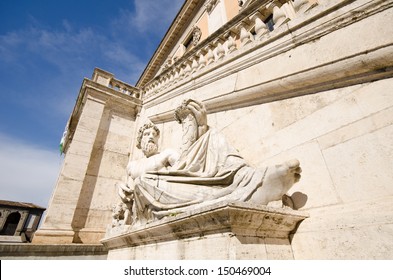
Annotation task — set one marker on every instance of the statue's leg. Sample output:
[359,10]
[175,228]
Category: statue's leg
[277,181]
[128,215]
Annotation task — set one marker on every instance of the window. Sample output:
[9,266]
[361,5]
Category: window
[188,43]
[30,221]
[11,224]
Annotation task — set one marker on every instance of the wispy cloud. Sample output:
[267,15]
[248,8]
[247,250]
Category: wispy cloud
[53,63]
[150,16]
[41,70]
[60,48]
[27,173]
[69,50]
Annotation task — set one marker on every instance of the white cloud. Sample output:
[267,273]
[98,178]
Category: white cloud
[151,16]
[68,48]
[72,54]
[27,173]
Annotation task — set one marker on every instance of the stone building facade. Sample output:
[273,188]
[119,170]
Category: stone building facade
[310,79]
[18,221]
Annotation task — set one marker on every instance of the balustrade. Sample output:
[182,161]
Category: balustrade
[245,35]
[231,41]
[252,28]
[259,26]
[210,55]
[301,6]
[124,88]
[220,51]
[194,65]
[279,16]
[202,60]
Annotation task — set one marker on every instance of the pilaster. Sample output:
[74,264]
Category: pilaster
[93,126]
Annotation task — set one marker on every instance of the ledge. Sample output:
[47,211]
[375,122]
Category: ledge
[55,250]
[241,219]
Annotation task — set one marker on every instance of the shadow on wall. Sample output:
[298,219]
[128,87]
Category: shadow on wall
[296,201]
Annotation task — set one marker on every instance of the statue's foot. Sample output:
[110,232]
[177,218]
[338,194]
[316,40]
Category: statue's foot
[278,180]
[288,172]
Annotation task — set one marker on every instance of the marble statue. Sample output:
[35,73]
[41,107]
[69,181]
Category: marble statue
[207,171]
[120,214]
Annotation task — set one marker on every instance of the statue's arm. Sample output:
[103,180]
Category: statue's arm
[170,157]
[126,190]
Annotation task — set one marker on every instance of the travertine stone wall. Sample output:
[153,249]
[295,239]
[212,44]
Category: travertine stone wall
[220,246]
[27,251]
[326,101]
[106,167]
[236,231]
[60,215]
[319,89]
[101,129]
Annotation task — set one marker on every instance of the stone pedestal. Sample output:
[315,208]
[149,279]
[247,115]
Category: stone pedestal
[224,231]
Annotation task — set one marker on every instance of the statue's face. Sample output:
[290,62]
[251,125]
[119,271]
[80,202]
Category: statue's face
[190,131]
[149,142]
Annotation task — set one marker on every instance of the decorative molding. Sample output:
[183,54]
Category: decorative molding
[103,94]
[164,48]
[210,5]
[364,68]
[373,67]
[237,218]
[196,35]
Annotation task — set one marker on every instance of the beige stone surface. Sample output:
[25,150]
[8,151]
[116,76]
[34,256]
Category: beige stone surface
[97,154]
[52,252]
[317,88]
[364,171]
[340,131]
[224,231]
[357,230]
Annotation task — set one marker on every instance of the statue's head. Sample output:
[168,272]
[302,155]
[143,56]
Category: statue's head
[147,139]
[192,115]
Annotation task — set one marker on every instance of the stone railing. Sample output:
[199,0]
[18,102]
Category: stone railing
[107,79]
[254,25]
[124,88]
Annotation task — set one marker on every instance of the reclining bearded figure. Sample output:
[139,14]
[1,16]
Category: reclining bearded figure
[207,171]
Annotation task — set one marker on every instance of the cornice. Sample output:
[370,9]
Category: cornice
[360,67]
[167,42]
[101,94]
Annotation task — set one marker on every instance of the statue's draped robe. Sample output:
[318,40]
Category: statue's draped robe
[209,172]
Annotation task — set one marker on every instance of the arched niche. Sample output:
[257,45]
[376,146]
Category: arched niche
[11,224]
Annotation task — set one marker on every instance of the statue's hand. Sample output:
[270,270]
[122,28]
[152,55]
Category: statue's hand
[198,111]
[125,192]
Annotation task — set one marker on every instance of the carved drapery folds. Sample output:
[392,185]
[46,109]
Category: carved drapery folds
[207,171]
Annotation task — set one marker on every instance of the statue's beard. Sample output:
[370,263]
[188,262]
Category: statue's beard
[190,132]
[149,149]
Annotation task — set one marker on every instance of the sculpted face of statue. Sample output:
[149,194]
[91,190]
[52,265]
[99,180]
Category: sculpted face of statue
[149,142]
[190,131]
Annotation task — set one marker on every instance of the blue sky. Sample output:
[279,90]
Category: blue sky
[47,47]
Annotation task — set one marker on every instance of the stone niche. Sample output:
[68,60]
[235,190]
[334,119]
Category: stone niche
[222,231]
